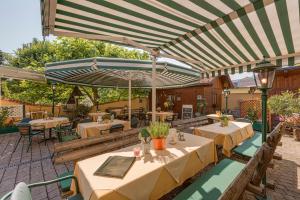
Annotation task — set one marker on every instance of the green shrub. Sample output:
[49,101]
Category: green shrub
[285,104]
[4,114]
[252,114]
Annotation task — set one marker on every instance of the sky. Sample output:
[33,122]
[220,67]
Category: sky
[20,21]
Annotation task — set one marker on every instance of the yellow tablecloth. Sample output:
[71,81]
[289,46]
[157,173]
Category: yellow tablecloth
[229,136]
[162,115]
[95,115]
[92,129]
[150,177]
[49,123]
[217,118]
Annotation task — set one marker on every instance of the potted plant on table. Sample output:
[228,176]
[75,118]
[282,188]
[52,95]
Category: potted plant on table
[145,138]
[159,132]
[224,120]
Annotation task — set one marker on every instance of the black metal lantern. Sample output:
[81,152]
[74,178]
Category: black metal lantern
[264,74]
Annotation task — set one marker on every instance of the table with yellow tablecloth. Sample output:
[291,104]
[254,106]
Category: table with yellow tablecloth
[94,116]
[162,115]
[49,123]
[229,136]
[92,129]
[151,176]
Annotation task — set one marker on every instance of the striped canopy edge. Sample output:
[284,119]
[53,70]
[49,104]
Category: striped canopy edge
[114,72]
[225,36]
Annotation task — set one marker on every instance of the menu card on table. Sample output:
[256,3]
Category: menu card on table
[115,166]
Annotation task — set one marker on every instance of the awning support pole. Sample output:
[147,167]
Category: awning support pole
[129,100]
[153,88]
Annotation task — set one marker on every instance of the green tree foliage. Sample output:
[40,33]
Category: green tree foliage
[1,57]
[36,54]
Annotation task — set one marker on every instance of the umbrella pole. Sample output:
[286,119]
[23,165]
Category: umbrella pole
[153,88]
[129,100]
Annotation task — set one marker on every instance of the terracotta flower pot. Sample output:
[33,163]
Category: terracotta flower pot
[159,143]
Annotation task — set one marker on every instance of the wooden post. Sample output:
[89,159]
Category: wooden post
[129,100]
[153,88]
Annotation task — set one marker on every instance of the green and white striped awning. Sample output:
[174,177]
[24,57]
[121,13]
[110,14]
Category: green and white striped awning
[215,37]
[16,73]
[115,72]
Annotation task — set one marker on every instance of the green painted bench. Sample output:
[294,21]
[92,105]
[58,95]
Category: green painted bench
[212,184]
[229,179]
[249,147]
[22,190]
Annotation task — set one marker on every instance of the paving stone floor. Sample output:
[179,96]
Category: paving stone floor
[35,165]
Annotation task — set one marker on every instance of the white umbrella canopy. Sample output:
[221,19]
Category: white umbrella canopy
[122,73]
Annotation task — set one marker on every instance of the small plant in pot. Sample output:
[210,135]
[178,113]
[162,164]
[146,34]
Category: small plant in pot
[159,132]
[145,138]
[224,120]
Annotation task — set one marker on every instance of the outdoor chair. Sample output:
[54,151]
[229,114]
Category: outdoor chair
[65,132]
[27,130]
[22,190]
[134,122]
[25,120]
[114,128]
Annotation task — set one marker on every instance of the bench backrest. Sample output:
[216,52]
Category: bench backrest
[272,142]
[83,148]
[255,168]
[238,186]
[197,121]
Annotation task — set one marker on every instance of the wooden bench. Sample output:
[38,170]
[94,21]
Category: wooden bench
[83,148]
[229,179]
[248,148]
[188,125]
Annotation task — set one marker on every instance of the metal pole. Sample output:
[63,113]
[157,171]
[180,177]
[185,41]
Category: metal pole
[129,100]
[0,90]
[153,88]
[53,100]
[226,104]
[264,98]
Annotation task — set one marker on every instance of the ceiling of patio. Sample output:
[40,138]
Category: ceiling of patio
[115,72]
[225,36]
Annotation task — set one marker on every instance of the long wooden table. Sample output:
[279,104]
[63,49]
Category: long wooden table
[92,129]
[228,137]
[150,177]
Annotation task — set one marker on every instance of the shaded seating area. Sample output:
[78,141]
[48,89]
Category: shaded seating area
[229,179]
